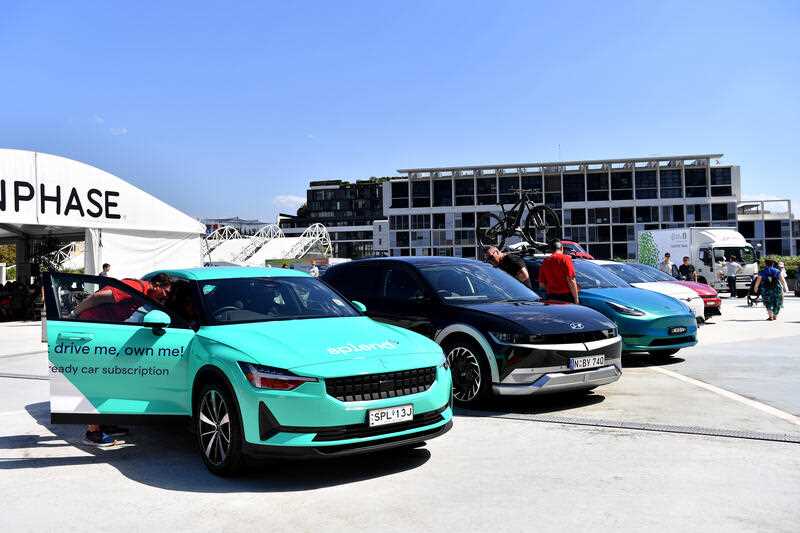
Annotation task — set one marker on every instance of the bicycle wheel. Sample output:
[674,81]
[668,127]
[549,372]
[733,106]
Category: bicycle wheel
[495,234]
[542,223]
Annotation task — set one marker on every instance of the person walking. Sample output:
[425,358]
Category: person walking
[687,270]
[769,283]
[784,283]
[666,266]
[557,276]
[314,271]
[732,268]
[510,264]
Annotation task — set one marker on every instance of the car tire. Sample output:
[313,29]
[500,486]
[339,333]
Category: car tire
[468,364]
[663,353]
[219,430]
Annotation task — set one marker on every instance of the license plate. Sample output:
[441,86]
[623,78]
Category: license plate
[390,415]
[591,361]
[677,330]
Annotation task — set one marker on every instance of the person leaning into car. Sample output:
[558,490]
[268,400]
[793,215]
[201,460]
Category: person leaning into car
[510,264]
[557,276]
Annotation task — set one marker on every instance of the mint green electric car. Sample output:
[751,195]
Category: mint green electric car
[266,362]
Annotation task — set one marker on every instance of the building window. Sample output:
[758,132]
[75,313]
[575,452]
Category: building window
[574,217]
[442,193]
[645,185]
[534,185]
[721,184]
[599,215]
[398,222]
[508,184]
[421,193]
[399,194]
[672,213]
[599,233]
[465,220]
[622,215]
[646,214]
[747,229]
[577,234]
[620,251]
[465,191]
[697,213]
[622,232]
[597,186]
[600,251]
[696,186]
[671,185]
[574,188]
[487,191]
[401,239]
[621,185]
[420,221]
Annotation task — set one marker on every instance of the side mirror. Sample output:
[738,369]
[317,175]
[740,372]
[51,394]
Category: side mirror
[358,305]
[158,320]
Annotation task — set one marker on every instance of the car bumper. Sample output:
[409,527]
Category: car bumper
[553,382]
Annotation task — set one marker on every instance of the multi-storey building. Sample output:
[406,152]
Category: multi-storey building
[603,203]
[346,209]
[769,226]
[243,226]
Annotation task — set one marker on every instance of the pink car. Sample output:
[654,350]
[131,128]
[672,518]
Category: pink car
[710,297]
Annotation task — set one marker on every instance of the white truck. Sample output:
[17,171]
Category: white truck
[708,249]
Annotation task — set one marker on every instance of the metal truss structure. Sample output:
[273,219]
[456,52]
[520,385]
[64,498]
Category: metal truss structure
[217,237]
[65,253]
[314,238]
[258,240]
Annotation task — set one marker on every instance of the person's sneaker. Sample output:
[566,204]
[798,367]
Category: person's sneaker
[98,438]
[114,431]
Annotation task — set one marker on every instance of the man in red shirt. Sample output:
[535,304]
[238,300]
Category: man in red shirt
[557,276]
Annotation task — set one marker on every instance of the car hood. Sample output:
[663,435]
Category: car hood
[670,289]
[545,318]
[700,288]
[327,347]
[648,301]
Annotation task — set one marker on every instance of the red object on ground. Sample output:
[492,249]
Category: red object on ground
[575,250]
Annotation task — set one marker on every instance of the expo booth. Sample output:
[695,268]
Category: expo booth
[55,200]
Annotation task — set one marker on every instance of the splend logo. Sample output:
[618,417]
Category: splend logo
[354,348]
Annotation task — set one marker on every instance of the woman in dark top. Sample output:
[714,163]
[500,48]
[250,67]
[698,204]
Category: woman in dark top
[769,281]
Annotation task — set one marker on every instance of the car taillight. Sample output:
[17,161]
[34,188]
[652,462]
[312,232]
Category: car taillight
[267,377]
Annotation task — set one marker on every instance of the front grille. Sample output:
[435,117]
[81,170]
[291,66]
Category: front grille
[671,341]
[380,386]
[360,431]
[572,337]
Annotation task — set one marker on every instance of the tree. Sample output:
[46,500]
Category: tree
[8,254]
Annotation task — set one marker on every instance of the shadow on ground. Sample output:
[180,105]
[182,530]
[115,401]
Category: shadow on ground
[643,360]
[166,457]
[533,405]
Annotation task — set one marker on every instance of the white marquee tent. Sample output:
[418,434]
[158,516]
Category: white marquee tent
[46,196]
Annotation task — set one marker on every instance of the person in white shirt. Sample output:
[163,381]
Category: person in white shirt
[666,266]
[732,268]
[782,269]
[314,271]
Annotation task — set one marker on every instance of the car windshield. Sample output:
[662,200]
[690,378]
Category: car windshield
[474,282]
[592,276]
[230,301]
[740,254]
[652,272]
[629,273]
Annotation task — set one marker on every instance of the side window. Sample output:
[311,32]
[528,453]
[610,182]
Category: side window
[356,282]
[399,284]
[93,299]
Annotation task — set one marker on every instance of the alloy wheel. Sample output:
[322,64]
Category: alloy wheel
[466,371]
[214,427]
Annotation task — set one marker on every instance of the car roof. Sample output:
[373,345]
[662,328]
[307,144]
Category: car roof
[606,262]
[414,260]
[226,272]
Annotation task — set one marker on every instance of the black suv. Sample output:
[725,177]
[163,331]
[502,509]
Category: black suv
[497,334]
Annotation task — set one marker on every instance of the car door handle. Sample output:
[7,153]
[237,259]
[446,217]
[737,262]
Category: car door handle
[76,336]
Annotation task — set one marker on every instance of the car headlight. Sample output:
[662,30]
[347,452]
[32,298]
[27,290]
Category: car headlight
[503,337]
[625,310]
[267,377]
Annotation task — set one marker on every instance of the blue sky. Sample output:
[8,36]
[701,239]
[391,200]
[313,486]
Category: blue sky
[229,108]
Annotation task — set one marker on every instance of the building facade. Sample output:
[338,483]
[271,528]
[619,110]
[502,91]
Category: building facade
[603,204]
[346,209]
[244,226]
[769,226]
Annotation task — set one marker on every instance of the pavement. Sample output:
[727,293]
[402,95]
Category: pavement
[707,440]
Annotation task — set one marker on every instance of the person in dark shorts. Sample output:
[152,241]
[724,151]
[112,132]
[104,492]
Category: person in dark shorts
[687,270]
[557,276]
[510,264]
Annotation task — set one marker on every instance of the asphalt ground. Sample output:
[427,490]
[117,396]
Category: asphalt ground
[707,440]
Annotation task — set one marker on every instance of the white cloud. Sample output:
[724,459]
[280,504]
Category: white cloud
[310,136]
[288,202]
[116,132]
[97,119]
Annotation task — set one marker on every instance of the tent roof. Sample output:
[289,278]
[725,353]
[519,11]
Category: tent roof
[48,195]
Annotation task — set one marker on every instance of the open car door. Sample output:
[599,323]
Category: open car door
[115,354]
